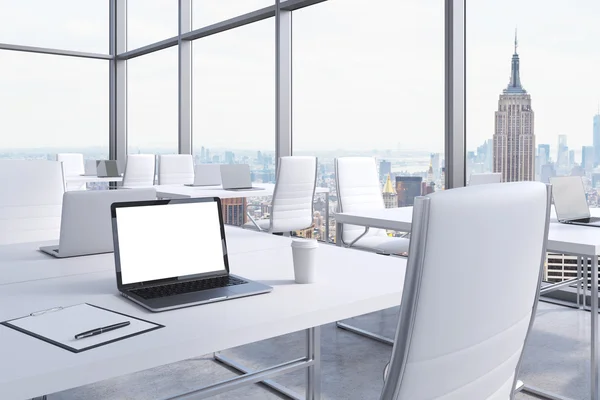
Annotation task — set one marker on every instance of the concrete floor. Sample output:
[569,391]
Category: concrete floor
[556,359]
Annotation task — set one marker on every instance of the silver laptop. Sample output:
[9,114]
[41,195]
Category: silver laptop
[570,202]
[206,175]
[237,177]
[85,226]
[107,169]
[89,168]
[172,254]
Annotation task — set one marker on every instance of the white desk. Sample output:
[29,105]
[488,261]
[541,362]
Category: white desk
[582,241]
[181,191]
[90,178]
[346,288]
[24,262]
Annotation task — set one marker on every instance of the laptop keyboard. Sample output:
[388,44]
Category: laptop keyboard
[173,289]
[586,220]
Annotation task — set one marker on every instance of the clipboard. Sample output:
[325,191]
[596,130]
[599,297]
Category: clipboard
[58,326]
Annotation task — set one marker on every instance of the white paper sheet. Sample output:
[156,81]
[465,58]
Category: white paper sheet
[62,325]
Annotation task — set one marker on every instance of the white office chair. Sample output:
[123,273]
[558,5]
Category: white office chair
[292,204]
[139,170]
[358,190]
[31,200]
[175,169]
[73,165]
[488,177]
[449,343]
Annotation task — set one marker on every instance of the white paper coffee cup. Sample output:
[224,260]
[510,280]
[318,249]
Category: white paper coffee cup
[304,253]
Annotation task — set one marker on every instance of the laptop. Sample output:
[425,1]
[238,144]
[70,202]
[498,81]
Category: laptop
[237,177]
[206,175]
[172,253]
[107,169]
[570,202]
[85,226]
[89,168]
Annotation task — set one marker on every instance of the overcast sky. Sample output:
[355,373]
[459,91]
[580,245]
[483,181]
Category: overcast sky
[367,74]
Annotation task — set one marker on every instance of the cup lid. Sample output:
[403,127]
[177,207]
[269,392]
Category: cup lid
[305,243]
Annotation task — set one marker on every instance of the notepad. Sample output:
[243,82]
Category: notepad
[59,326]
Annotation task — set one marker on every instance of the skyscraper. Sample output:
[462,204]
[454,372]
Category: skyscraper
[233,211]
[514,139]
[390,199]
[587,158]
[385,168]
[407,188]
[597,138]
[435,164]
[562,157]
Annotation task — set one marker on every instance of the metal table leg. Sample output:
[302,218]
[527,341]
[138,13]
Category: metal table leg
[313,378]
[594,335]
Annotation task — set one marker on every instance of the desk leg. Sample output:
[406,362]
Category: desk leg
[313,348]
[327,217]
[594,321]
[580,262]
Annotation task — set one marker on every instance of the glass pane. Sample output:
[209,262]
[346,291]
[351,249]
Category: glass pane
[53,104]
[207,12]
[152,98]
[150,21]
[369,83]
[234,98]
[60,24]
[532,100]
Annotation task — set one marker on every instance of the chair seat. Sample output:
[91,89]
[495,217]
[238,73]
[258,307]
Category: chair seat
[383,244]
[263,223]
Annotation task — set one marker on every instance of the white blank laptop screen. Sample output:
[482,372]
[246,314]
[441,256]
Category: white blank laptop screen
[167,241]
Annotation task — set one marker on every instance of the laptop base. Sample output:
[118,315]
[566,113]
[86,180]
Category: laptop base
[54,252]
[250,288]
[594,224]
[244,189]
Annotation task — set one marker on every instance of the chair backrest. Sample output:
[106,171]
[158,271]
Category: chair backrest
[292,205]
[487,177]
[139,170]
[455,341]
[358,189]
[31,200]
[175,169]
[72,163]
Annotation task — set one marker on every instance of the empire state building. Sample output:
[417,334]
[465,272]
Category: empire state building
[514,140]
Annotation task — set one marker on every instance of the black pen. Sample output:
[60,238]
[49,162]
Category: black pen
[98,331]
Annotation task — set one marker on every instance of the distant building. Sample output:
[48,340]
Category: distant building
[385,169]
[587,158]
[562,157]
[435,164]
[390,199]
[596,139]
[202,154]
[407,188]
[233,211]
[571,158]
[514,139]
[548,172]
[215,159]
[229,157]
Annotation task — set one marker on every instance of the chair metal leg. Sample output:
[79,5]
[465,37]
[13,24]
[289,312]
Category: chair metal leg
[367,334]
[542,394]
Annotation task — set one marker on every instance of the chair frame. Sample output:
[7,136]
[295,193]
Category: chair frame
[274,196]
[410,296]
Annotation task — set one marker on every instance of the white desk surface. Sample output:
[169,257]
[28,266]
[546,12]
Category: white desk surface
[24,262]
[573,239]
[347,287]
[90,178]
[181,191]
